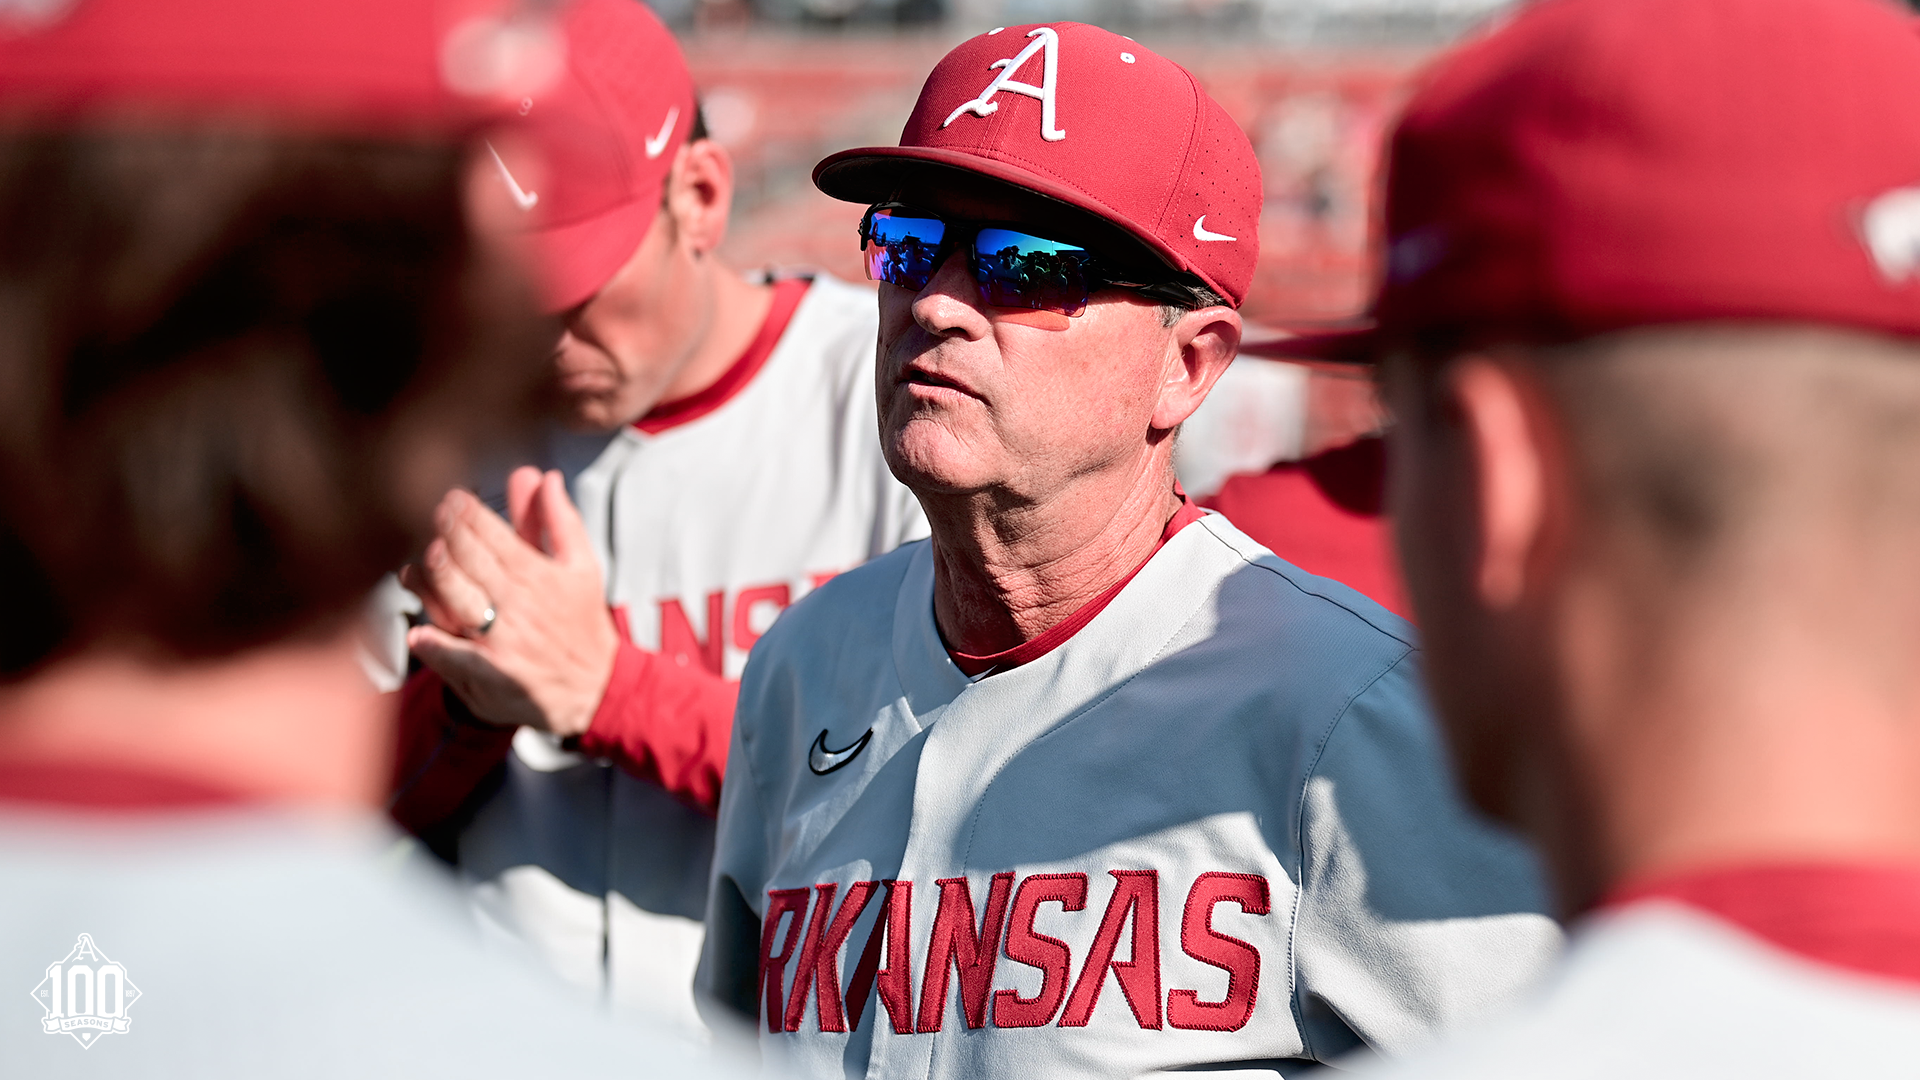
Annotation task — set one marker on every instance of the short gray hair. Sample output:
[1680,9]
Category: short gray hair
[1202,297]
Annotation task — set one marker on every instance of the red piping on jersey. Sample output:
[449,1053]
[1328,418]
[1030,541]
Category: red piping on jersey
[1861,917]
[107,787]
[671,414]
[1058,634]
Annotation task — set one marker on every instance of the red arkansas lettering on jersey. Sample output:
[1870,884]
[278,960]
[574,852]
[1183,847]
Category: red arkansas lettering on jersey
[958,945]
[773,964]
[955,945]
[678,640]
[677,636]
[1135,893]
[1027,946]
[820,955]
[893,984]
[744,635]
[1238,959]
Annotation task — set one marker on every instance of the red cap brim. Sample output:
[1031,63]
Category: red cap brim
[578,259]
[869,174]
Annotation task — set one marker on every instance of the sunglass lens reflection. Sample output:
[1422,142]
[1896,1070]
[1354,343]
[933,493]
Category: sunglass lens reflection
[903,251]
[1018,270]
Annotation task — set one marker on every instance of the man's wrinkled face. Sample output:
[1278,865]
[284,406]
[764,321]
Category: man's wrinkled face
[622,349]
[974,397]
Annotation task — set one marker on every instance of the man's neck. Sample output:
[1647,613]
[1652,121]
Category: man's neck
[1007,569]
[739,308]
[291,723]
[1742,732]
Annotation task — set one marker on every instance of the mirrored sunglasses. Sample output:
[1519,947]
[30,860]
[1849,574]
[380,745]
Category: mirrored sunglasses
[1013,268]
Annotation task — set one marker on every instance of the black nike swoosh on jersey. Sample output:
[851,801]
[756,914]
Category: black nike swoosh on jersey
[823,761]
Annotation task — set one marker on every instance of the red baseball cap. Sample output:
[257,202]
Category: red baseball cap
[1595,165]
[589,160]
[1093,120]
[363,66]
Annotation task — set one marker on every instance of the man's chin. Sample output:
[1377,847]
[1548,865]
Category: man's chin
[933,470]
[589,413]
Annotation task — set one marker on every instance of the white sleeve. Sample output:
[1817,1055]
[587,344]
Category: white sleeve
[1415,913]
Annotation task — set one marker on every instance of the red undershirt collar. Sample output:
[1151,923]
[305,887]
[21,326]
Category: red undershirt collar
[1058,634]
[787,293]
[1858,916]
[110,788]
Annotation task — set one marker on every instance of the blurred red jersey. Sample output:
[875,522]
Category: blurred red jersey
[1324,515]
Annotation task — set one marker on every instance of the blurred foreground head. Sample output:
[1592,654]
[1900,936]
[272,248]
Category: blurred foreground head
[250,318]
[1651,326]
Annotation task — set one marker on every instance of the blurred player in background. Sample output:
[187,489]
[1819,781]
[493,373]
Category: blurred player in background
[1652,335]
[250,334]
[1301,471]
[726,465]
[1190,792]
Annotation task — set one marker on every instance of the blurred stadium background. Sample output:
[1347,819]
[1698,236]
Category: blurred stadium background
[1313,82]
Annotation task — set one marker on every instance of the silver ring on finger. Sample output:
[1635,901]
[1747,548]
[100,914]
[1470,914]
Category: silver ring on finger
[487,619]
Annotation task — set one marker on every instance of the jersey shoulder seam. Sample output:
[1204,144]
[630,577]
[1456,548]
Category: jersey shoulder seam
[1300,840]
[1304,591]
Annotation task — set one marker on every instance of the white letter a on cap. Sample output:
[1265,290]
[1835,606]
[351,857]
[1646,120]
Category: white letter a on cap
[984,105]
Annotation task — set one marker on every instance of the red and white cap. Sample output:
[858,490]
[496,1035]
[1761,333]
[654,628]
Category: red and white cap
[589,158]
[1093,120]
[406,68]
[1595,165]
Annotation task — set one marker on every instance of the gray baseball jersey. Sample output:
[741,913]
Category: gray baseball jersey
[1212,827]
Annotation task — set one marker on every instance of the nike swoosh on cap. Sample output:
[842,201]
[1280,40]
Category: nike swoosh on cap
[823,761]
[526,200]
[657,143]
[1200,232]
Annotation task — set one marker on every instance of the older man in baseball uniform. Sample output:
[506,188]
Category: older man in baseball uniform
[1652,334]
[725,465]
[1090,783]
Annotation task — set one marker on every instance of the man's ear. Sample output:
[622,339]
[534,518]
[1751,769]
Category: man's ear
[700,194]
[1502,412]
[1203,342]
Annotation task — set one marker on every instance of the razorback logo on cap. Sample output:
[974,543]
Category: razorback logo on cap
[1046,42]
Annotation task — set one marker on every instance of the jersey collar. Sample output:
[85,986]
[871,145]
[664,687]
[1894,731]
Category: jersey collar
[787,294]
[1862,917]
